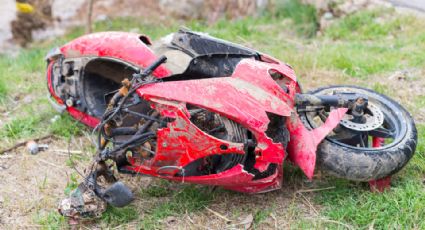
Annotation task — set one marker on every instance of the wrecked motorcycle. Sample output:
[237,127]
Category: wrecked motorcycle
[197,109]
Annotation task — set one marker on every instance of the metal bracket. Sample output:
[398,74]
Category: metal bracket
[58,107]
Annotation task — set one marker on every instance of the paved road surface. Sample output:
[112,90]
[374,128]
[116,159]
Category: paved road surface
[418,5]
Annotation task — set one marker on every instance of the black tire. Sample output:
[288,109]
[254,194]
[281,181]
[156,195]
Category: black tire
[368,163]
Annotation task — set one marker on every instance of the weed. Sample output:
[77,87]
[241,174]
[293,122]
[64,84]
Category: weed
[365,25]
[160,190]
[3,90]
[71,184]
[73,160]
[50,220]
[303,16]
[420,101]
[43,184]
[116,216]
[380,88]
[261,215]
[21,127]
[189,199]
[66,127]
[362,208]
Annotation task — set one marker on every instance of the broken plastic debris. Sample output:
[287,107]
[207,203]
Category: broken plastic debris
[34,148]
[82,203]
[54,119]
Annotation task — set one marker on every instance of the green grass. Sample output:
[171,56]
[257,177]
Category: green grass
[118,216]
[18,128]
[23,69]
[50,220]
[30,124]
[188,199]
[157,190]
[66,126]
[359,59]
[372,42]
[304,17]
[261,215]
[380,88]
[3,89]
[185,199]
[400,208]
[366,25]
[420,101]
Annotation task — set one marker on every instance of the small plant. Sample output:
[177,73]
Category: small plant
[66,127]
[303,16]
[3,90]
[365,25]
[420,101]
[50,220]
[261,215]
[116,216]
[189,199]
[72,183]
[160,190]
[380,88]
[20,127]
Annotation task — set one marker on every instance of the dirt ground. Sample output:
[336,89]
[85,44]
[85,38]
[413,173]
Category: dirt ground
[33,185]
[33,182]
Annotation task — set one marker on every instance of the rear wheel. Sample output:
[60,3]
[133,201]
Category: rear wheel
[351,151]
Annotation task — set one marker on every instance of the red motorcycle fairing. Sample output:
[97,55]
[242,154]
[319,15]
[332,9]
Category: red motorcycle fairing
[257,94]
[182,143]
[129,47]
[245,97]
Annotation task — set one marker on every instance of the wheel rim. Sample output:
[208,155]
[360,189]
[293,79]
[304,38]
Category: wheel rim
[388,134]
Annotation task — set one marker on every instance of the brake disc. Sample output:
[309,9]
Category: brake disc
[374,119]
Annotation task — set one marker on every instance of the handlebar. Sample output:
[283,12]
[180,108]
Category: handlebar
[148,71]
[340,99]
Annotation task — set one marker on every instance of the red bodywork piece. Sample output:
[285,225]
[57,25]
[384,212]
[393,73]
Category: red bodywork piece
[382,184]
[128,47]
[182,142]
